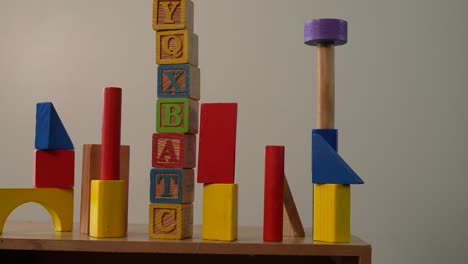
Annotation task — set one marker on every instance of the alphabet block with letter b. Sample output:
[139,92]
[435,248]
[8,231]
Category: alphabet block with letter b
[177,115]
[176,47]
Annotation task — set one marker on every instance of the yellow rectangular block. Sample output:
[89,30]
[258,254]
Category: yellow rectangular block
[332,212]
[176,47]
[220,212]
[107,208]
[173,14]
[170,221]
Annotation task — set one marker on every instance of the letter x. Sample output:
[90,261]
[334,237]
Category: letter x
[173,76]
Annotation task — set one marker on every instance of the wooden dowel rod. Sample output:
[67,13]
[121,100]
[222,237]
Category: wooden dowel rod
[325,86]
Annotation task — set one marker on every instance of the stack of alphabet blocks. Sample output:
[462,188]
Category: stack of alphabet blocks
[174,143]
[54,158]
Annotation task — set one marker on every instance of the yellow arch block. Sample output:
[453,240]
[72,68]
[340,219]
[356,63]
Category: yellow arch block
[58,202]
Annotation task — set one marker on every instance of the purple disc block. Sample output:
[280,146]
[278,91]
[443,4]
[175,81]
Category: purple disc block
[325,31]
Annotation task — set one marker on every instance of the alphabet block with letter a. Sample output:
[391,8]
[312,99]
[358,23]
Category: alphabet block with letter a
[172,186]
[173,14]
[179,81]
[174,150]
[170,221]
[176,47]
[177,115]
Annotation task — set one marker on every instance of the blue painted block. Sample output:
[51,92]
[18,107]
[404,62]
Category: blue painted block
[50,132]
[179,81]
[327,165]
[175,186]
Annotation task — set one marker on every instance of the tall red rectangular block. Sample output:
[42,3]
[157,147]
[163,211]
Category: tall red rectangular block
[54,169]
[217,143]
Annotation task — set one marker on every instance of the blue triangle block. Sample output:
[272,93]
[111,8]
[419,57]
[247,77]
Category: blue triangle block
[50,132]
[328,166]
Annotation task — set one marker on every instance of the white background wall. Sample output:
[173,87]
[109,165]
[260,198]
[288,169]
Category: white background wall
[400,103]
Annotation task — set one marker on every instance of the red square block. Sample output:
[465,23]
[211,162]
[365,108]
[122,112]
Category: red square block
[54,168]
[173,150]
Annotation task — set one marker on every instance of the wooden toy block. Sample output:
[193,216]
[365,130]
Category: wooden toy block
[177,115]
[50,132]
[292,225]
[111,122]
[58,202]
[172,186]
[174,150]
[107,209]
[91,170]
[217,143]
[220,212]
[170,221]
[54,168]
[273,194]
[176,47]
[332,212]
[179,81]
[327,165]
[173,14]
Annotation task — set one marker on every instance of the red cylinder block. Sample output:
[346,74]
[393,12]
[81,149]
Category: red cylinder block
[273,195]
[111,121]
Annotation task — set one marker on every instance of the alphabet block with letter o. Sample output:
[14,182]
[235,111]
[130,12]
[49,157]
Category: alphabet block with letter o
[177,115]
[170,221]
[176,47]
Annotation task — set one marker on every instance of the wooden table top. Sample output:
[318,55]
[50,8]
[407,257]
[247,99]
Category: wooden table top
[40,236]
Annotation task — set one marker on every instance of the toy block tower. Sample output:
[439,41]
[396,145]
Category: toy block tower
[53,178]
[216,170]
[174,143]
[331,176]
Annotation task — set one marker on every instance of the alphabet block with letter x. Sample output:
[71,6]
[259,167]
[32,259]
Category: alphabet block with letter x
[179,81]
[177,115]
[176,47]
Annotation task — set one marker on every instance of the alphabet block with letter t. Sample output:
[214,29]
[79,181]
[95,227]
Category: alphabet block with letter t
[172,186]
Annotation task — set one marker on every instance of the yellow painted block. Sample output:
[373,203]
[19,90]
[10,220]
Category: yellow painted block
[107,208]
[176,47]
[58,202]
[220,212]
[170,221]
[173,14]
[332,212]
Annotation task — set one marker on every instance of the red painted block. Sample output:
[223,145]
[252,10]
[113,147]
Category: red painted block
[217,143]
[174,150]
[54,168]
[273,194]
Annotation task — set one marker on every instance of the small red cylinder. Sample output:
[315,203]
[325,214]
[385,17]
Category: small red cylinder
[273,195]
[110,146]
